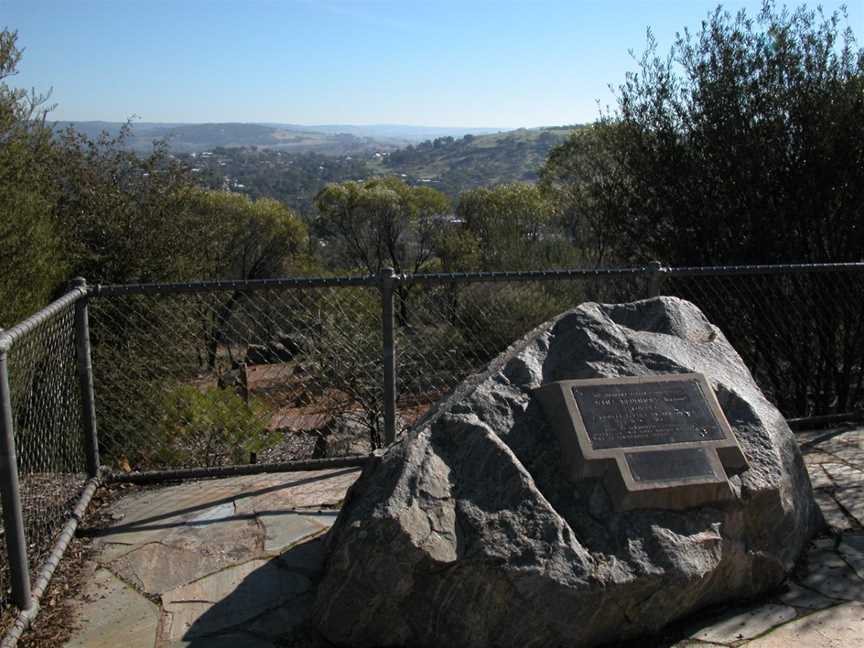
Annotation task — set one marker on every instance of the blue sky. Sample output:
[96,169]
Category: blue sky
[466,63]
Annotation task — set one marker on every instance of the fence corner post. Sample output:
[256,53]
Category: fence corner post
[10,492]
[85,378]
[655,282]
[387,277]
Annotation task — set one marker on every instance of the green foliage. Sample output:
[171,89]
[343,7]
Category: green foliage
[123,214]
[744,144]
[240,238]
[513,227]
[380,222]
[212,427]
[32,259]
[578,179]
[458,250]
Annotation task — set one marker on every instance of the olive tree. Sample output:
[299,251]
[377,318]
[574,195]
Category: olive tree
[742,143]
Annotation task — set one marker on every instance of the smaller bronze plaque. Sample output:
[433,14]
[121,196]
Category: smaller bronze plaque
[670,465]
[655,441]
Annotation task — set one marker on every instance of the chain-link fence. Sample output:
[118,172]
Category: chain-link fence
[43,455]
[449,327]
[216,374]
[202,378]
[801,333]
[800,329]
[270,371]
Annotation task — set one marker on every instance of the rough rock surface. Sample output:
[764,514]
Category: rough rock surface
[467,533]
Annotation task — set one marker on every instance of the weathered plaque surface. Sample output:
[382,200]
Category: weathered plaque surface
[625,415]
[656,441]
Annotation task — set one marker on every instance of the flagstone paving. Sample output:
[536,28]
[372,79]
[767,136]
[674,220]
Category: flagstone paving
[232,563]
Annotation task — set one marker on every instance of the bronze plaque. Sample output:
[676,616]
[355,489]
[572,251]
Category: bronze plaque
[628,415]
[655,441]
[670,465]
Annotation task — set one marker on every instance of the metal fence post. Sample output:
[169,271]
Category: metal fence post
[388,278]
[85,379]
[656,278]
[13,517]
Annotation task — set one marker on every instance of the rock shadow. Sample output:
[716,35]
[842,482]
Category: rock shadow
[266,604]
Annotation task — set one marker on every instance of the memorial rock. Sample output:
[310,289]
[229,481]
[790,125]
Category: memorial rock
[474,530]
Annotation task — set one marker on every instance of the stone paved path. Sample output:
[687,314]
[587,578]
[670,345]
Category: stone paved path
[231,563]
[209,564]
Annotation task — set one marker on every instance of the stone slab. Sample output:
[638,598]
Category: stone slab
[284,620]
[740,625]
[166,512]
[306,558]
[852,549]
[804,598]
[228,598]
[843,476]
[158,567]
[818,477]
[319,488]
[847,445]
[833,515]
[225,641]
[112,615]
[813,457]
[282,530]
[852,499]
[837,627]
[830,575]
[324,518]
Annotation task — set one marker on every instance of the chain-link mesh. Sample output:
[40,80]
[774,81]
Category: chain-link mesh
[446,332]
[800,333]
[46,414]
[236,376]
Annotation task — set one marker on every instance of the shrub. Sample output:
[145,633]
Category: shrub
[211,427]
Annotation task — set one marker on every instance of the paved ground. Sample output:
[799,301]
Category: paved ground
[230,564]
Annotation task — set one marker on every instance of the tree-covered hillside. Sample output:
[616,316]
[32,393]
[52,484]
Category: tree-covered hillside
[455,165]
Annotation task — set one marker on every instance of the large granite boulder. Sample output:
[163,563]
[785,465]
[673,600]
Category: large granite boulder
[467,532]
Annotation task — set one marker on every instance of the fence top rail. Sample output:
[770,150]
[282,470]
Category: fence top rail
[783,268]
[526,275]
[465,277]
[9,336]
[238,284]
[652,268]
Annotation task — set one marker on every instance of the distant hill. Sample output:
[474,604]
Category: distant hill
[453,165]
[398,131]
[332,139]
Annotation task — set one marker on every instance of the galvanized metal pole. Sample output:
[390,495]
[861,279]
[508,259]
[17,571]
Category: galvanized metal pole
[85,379]
[388,277]
[655,282]
[13,518]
